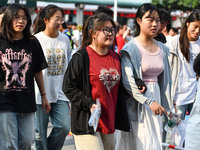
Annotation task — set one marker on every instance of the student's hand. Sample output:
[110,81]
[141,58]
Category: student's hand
[45,104]
[125,34]
[157,109]
[197,77]
[142,89]
[174,103]
[93,107]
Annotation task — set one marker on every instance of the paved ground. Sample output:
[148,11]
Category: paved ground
[69,143]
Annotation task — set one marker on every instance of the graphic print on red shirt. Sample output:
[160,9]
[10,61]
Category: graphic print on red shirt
[105,73]
[109,78]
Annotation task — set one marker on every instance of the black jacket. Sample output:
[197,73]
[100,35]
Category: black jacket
[76,86]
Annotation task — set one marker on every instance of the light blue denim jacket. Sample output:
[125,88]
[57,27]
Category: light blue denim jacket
[131,69]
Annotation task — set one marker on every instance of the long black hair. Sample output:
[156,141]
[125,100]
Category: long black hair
[183,40]
[47,12]
[140,13]
[6,24]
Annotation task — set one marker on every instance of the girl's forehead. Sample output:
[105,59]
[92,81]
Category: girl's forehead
[57,13]
[108,23]
[148,14]
[20,12]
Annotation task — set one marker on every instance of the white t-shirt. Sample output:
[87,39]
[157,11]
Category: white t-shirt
[168,37]
[56,51]
[187,82]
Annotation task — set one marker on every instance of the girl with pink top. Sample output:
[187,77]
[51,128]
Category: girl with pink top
[145,58]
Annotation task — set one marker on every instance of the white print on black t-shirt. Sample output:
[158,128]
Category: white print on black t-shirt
[109,78]
[16,65]
[56,59]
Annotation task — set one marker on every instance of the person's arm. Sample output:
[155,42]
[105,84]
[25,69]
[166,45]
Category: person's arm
[125,35]
[72,84]
[40,83]
[128,79]
[141,85]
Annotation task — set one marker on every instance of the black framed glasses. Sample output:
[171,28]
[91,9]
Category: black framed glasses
[107,31]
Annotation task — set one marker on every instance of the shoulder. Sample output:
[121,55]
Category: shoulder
[114,54]
[79,58]
[64,37]
[41,36]
[35,44]
[130,48]
[61,35]
[81,53]
[1,38]
[38,34]
[173,44]
[164,48]
[33,40]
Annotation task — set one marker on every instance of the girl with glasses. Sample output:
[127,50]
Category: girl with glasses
[94,72]
[21,60]
[56,48]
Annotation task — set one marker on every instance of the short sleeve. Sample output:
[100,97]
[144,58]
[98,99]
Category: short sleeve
[38,57]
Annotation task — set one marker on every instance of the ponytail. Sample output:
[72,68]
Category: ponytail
[39,24]
[87,32]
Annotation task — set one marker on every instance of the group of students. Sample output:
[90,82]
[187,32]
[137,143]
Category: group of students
[134,89]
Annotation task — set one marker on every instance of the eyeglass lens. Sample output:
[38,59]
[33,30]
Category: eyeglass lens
[107,31]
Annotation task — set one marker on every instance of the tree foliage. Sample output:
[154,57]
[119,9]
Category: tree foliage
[177,4]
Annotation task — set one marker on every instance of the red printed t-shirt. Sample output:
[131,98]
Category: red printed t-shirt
[105,73]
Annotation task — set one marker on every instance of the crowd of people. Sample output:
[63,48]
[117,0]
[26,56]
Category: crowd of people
[57,72]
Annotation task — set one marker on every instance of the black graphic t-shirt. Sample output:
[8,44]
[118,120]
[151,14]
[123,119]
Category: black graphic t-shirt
[18,63]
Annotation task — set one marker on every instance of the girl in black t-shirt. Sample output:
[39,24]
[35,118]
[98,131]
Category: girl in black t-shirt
[21,59]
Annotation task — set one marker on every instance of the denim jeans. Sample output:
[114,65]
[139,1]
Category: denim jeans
[60,120]
[16,130]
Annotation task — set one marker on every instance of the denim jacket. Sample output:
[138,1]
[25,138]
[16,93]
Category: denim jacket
[131,69]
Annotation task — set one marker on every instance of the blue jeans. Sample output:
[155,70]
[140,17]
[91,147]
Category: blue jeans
[60,120]
[16,130]
[184,109]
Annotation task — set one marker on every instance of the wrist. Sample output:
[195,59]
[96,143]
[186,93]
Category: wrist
[149,102]
[43,94]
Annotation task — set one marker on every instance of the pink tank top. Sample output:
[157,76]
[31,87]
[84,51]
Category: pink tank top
[152,64]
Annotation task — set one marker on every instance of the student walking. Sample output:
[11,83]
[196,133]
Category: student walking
[56,47]
[21,60]
[94,72]
[147,59]
[183,50]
